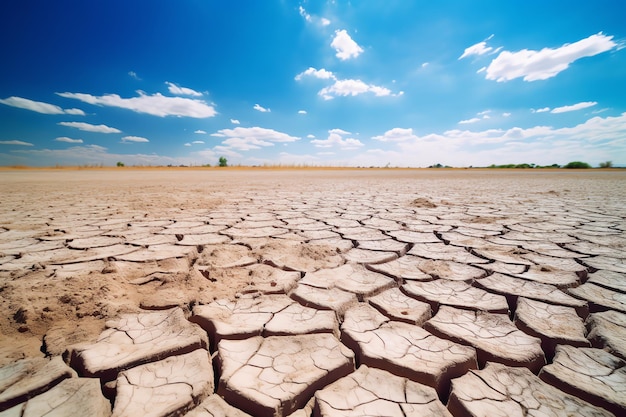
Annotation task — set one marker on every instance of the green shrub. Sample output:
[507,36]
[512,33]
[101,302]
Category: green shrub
[223,162]
[577,165]
[606,164]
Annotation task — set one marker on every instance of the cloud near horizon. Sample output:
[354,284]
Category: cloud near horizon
[68,140]
[39,106]
[335,139]
[247,138]
[155,105]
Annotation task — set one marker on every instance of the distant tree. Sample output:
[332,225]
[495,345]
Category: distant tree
[577,165]
[223,162]
[120,164]
[606,164]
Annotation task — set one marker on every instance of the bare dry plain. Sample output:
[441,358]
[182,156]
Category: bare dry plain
[324,292]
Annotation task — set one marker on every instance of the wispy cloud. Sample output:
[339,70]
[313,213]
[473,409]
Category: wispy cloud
[134,75]
[200,132]
[68,140]
[248,138]
[235,121]
[261,108]
[90,128]
[335,139]
[39,106]
[541,110]
[344,45]
[531,65]
[15,142]
[156,104]
[480,48]
[197,142]
[469,121]
[182,91]
[301,111]
[574,107]
[134,139]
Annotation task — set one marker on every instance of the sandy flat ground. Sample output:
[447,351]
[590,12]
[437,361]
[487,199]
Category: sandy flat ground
[76,245]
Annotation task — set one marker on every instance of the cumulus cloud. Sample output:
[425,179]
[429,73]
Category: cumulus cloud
[248,138]
[134,139]
[301,111]
[321,74]
[344,45]
[68,140]
[574,107]
[200,132]
[469,121]
[261,108]
[39,106]
[480,48]
[531,65]
[397,134]
[182,91]
[335,139]
[235,121]
[87,127]
[156,104]
[15,142]
[352,88]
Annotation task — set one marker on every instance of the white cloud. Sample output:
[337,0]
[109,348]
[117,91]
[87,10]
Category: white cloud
[68,140]
[310,136]
[506,114]
[247,138]
[304,14]
[235,121]
[261,109]
[574,107]
[469,121]
[134,139]
[187,144]
[425,64]
[15,142]
[344,45]
[156,104]
[321,74]
[200,132]
[480,48]
[324,21]
[90,128]
[352,88]
[197,142]
[542,110]
[134,75]
[301,111]
[39,106]
[182,91]
[547,63]
[397,134]
[335,139]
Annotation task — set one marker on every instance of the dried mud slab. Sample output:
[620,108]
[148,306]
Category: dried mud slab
[450,270]
[608,263]
[29,377]
[553,324]
[550,276]
[394,304]
[277,375]
[215,406]
[502,391]
[300,257]
[324,299]
[404,349]
[457,294]
[164,388]
[444,252]
[135,339]
[607,330]
[494,337]
[353,278]
[513,288]
[366,256]
[374,392]
[71,397]
[608,279]
[591,374]
[600,298]
[403,268]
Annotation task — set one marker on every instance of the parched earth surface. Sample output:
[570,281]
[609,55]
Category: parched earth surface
[231,292]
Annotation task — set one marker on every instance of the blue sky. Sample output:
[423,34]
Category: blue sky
[353,83]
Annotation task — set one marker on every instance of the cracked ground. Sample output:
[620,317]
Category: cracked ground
[352,292]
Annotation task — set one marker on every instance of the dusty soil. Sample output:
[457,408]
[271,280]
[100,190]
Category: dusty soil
[79,247]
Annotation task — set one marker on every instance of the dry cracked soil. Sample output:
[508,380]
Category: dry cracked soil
[319,292]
